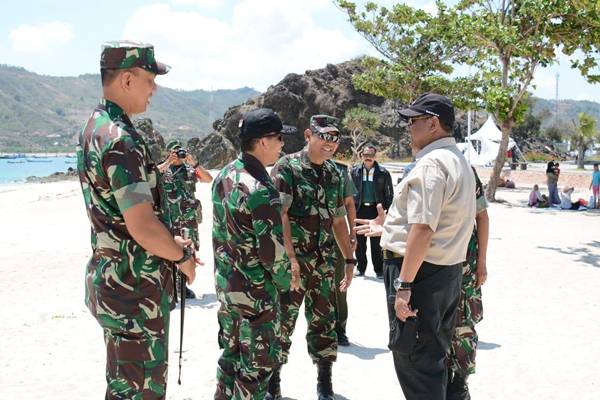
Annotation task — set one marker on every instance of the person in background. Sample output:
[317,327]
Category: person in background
[552,182]
[566,203]
[595,187]
[537,199]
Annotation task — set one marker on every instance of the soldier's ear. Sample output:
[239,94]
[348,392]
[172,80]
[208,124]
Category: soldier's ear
[307,135]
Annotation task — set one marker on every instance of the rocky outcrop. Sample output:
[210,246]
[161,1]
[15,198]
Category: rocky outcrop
[153,138]
[324,91]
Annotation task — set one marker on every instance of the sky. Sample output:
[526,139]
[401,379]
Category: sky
[210,44]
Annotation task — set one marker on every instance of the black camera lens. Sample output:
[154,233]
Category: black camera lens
[181,153]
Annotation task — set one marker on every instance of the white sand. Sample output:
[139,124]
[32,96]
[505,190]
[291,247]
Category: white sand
[539,337]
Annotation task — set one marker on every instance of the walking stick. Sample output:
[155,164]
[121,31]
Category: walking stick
[185,233]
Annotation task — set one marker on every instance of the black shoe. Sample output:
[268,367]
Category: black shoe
[358,273]
[324,385]
[343,339]
[189,293]
[274,389]
[457,388]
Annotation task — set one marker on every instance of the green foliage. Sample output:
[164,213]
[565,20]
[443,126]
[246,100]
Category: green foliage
[504,40]
[361,124]
[554,133]
[530,127]
[585,133]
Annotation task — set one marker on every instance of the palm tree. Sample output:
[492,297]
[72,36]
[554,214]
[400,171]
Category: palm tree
[585,133]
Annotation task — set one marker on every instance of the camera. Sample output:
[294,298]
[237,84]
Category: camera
[181,153]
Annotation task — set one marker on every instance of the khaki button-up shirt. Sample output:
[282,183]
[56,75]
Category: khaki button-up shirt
[437,192]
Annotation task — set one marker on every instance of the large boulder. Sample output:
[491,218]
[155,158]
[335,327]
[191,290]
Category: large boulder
[324,91]
[153,138]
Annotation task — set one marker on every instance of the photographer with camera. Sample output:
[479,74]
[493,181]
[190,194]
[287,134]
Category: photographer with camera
[180,172]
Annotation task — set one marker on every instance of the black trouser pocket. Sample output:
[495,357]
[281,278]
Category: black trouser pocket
[403,335]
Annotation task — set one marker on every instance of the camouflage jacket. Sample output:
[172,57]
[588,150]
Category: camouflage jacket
[179,183]
[116,173]
[314,195]
[250,260]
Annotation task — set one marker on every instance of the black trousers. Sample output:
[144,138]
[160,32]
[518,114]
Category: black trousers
[423,373]
[368,212]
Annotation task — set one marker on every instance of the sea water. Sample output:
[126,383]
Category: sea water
[18,169]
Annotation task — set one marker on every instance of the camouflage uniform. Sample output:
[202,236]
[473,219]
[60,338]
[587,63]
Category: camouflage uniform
[127,289]
[313,199]
[251,270]
[179,182]
[470,308]
[340,265]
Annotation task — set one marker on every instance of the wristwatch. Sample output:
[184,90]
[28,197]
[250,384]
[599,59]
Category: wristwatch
[187,253]
[399,284]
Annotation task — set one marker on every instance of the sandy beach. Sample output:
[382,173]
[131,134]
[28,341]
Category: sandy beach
[538,337]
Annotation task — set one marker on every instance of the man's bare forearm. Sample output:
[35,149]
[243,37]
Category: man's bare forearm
[417,244]
[483,233]
[150,233]
[340,231]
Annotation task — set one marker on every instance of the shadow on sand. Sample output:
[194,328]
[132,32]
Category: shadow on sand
[364,353]
[585,254]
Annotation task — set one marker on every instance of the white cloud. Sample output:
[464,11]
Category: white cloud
[262,42]
[39,38]
[199,3]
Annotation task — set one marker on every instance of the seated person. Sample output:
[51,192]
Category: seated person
[565,199]
[509,184]
[537,199]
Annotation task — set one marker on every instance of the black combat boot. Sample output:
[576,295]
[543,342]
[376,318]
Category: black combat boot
[324,385]
[274,389]
[457,388]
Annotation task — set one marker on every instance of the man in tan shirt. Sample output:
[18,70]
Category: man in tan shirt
[425,236]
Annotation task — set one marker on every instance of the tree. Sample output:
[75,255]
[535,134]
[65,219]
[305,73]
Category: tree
[585,133]
[504,40]
[362,125]
[530,127]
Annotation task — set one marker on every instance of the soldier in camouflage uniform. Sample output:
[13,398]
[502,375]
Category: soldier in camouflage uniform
[314,217]
[179,179]
[341,302]
[251,267]
[129,289]
[470,308]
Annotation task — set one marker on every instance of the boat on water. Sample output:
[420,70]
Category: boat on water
[38,160]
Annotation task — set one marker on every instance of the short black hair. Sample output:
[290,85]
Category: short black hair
[108,75]
[447,128]
[248,144]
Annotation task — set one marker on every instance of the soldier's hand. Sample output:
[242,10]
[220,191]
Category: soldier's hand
[401,306]
[188,267]
[190,160]
[295,284]
[349,274]
[172,157]
[182,242]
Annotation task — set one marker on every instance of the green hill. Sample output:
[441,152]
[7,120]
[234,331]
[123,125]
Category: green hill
[45,113]
[545,110]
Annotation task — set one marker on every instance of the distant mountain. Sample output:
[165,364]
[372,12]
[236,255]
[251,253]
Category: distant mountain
[545,110]
[45,113]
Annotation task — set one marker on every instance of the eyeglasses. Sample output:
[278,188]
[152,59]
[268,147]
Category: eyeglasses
[326,137]
[412,120]
[279,136]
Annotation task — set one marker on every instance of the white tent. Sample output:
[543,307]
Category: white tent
[488,138]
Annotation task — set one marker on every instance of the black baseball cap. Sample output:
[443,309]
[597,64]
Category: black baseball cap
[261,122]
[432,104]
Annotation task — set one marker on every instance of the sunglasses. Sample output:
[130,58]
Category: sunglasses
[326,137]
[412,120]
[279,136]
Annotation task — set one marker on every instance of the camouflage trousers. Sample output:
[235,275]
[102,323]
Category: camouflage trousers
[317,286]
[132,301]
[251,349]
[470,311]
[341,309]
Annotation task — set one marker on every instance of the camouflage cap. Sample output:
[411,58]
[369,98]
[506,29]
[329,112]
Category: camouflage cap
[121,54]
[173,143]
[324,124]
